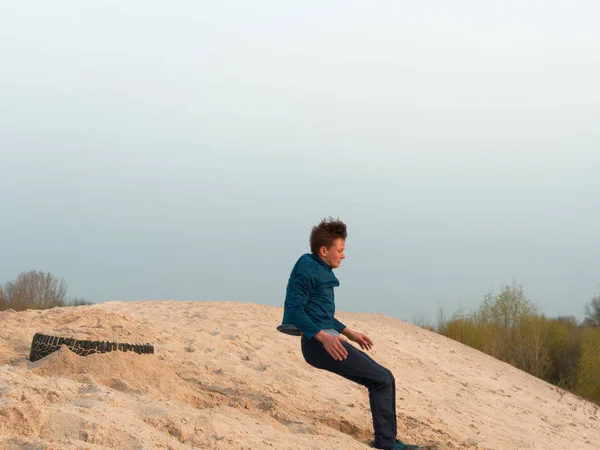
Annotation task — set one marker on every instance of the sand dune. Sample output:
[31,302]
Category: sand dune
[222,377]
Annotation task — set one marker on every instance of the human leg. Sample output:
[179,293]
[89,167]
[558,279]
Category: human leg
[361,368]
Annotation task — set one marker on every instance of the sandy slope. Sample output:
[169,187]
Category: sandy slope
[224,378]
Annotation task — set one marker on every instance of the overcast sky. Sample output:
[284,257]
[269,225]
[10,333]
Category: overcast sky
[183,150]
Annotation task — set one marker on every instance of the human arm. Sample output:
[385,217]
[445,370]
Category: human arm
[301,285]
[299,289]
[338,326]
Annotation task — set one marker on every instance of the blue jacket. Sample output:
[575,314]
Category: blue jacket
[309,301]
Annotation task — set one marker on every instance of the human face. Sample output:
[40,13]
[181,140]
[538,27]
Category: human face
[333,255]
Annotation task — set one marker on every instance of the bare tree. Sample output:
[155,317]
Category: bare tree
[592,311]
[3,301]
[35,290]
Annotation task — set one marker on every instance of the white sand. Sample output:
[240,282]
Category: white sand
[222,377]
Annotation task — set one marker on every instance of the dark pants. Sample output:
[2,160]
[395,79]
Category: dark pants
[362,369]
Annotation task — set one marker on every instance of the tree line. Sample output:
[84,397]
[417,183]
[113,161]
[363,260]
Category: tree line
[511,328]
[36,290]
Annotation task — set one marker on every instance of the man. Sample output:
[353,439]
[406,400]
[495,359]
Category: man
[310,308]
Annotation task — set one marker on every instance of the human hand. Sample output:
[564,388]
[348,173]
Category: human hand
[333,345]
[365,342]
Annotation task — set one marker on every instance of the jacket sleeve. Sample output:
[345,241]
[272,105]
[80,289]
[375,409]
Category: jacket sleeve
[302,283]
[339,326]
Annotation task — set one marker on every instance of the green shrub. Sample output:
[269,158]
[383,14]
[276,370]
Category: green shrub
[588,381]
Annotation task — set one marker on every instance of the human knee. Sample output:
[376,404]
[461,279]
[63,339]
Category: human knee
[391,378]
[391,375]
[385,378]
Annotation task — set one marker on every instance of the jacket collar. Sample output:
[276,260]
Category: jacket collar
[318,259]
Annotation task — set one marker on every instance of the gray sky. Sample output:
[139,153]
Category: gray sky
[183,150]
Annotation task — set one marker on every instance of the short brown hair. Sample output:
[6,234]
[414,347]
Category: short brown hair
[326,232]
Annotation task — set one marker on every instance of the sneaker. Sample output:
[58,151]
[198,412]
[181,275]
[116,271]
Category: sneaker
[399,445]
